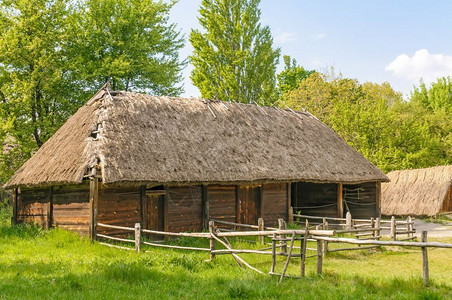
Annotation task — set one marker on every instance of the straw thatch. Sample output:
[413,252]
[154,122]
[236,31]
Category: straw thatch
[146,139]
[416,192]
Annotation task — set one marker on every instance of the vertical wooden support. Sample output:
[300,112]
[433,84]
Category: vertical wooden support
[260,226]
[272,269]
[93,207]
[143,207]
[14,200]
[237,205]
[304,244]
[393,234]
[212,240]
[290,215]
[378,198]
[165,209]
[325,243]
[348,221]
[282,226]
[409,226]
[319,257]
[288,202]
[261,201]
[377,232]
[50,212]
[340,202]
[205,208]
[137,237]
[424,259]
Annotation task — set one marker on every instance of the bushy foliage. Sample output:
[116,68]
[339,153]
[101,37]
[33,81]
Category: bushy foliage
[375,120]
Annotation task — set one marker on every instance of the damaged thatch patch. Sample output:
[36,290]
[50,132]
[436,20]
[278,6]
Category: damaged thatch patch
[145,139]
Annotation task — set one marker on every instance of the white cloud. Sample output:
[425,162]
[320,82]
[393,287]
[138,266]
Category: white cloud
[285,37]
[423,65]
[320,35]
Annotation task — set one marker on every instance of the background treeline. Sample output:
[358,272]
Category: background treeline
[54,54]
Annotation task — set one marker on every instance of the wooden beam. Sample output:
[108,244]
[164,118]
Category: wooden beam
[261,202]
[50,212]
[93,205]
[165,209]
[144,207]
[14,200]
[237,205]
[340,202]
[205,208]
[378,198]
[288,202]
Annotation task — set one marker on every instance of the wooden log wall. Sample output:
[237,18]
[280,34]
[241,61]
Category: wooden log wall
[33,206]
[274,196]
[222,202]
[119,206]
[184,208]
[361,200]
[71,207]
[315,199]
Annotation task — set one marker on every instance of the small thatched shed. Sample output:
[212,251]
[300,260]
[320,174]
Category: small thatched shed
[422,192]
[174,163]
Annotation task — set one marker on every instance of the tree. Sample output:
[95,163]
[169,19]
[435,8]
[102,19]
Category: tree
[55,53]
[128,42]
[233,58]
[35,93]
[290,78]
[437,97]
[373,118]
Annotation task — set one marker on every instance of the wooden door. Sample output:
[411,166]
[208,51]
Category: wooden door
[248,204]
[155,213]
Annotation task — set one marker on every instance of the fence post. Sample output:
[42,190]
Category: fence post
[260,227]
[282,226]
[424,259]
[212,240]
[272,269]
[319,257]
[393,229]
[325,243]
[348,220]
[137,237]
[290,219]
[409,227]
[377,231]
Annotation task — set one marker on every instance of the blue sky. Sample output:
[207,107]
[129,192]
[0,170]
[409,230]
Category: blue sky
[394,41]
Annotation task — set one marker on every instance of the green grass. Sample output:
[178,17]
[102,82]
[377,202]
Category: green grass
[40,264]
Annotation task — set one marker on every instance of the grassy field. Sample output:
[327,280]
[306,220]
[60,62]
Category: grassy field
[39,264]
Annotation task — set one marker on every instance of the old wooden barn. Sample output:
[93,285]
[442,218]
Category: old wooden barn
[418,192]
[174,163]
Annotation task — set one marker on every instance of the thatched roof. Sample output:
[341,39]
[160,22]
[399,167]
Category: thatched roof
[416,192]
[146,139]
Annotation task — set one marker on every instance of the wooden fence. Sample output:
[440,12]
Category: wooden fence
[363,228]
[281,238]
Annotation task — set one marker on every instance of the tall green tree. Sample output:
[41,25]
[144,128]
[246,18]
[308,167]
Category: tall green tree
[129,42]
[233,57]
[55,53]
[36,95]
[290,78]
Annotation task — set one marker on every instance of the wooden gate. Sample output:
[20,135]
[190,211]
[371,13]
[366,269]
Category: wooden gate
[248,198]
